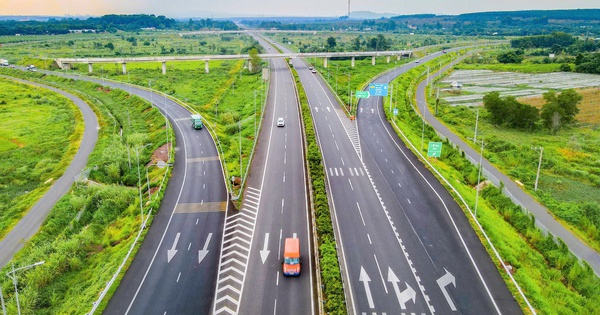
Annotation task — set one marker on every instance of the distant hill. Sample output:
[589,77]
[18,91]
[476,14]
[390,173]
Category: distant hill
[368,15]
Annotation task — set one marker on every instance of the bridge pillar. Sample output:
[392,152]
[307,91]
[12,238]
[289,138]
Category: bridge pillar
[250,66]
[398,57]
[164,67]
[123,65]
[388,59]
[373,60]
[206,65]
[352,63]
[90,69]
[325,62]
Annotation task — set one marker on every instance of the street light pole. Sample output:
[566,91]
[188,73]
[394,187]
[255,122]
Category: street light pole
[476,123]
[537,177]
[479,178]
[2,302]
[240,132]
[14,279]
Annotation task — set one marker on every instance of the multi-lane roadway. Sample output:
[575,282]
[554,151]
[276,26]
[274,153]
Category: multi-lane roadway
[275,207]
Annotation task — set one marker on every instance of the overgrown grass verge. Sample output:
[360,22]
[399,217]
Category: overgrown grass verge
[90,230]
[551,277]
[40,132]
[332,286]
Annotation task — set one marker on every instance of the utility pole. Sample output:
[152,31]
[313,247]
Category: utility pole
[479,177]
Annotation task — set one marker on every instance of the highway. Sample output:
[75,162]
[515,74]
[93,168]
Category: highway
[275,207]
[398,234]
[174,271]
[434,228]
[31,222]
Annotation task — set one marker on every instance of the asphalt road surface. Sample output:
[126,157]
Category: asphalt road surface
[274,208]
[174,271]
[31,222]
[406,246]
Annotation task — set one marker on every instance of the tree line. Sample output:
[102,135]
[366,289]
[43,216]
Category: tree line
[108,23]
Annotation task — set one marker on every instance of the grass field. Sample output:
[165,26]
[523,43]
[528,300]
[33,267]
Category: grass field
[41,50]
[40,132]
[569,183]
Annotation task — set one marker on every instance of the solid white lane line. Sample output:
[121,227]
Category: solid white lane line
[380,274]
[280,239]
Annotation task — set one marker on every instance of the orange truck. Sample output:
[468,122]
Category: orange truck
[291,257]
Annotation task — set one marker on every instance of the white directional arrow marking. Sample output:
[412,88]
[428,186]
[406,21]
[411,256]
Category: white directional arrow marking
[204,251]
[171,252]
[317,109]
[404,296]
[361,109]
[364,278]
[372,110]
[264,252]
[443,282]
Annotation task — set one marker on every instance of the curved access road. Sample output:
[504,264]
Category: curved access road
[175,269]
[31,222]
[542,216]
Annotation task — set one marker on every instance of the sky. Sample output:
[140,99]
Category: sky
[316,8]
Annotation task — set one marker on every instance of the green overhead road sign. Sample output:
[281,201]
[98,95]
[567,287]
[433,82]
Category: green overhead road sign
[362,94]
[434,149]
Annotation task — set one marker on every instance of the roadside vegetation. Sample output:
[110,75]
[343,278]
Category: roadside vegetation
[331,278]
[91,229]
[40,132]
[553,279]
[566,125]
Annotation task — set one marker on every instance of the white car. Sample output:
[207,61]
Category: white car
[280,122]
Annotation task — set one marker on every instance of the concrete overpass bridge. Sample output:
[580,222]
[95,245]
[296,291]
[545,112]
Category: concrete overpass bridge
[65,63]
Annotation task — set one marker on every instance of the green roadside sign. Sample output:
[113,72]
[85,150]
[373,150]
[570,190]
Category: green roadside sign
[434,149]
[362,94]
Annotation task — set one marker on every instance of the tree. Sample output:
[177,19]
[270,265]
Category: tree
[255,60]
[560,109]
[331,42]
[356,43]
[110,46]
[510,57]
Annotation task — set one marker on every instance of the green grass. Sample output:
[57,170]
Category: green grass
[91,228]
[40,133]
[570,172]
[552,279]
[223,97]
